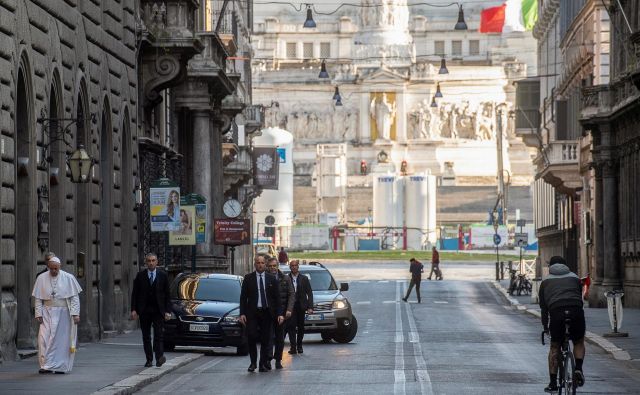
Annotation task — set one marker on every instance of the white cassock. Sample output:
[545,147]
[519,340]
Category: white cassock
[56,302]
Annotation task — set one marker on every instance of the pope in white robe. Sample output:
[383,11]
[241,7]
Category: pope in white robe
[58,312]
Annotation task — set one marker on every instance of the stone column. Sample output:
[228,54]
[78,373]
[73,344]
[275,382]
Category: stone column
[610,224]
[365,129]
[220,124]
[202,169]
[401,118]
[598,229]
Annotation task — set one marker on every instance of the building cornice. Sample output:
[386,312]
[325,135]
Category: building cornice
[547,15]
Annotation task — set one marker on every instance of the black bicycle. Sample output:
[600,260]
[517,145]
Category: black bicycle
[519,284]
[566,361]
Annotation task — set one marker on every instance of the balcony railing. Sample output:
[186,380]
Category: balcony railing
[221,19]
[254,118]
[562,152]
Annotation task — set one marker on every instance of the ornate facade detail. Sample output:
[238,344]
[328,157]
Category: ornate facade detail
[159,74]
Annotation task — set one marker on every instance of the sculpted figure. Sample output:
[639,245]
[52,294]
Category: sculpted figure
[384,113]
[465,124]
[435,127]
[484,124]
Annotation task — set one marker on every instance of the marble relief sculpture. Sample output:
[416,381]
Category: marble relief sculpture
[330,125]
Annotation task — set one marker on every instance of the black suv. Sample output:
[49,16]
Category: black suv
[332,316]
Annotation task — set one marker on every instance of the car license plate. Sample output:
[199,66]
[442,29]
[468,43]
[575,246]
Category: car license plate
[199,328]
[314,317]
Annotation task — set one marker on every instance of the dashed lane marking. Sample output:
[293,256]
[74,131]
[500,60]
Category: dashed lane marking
[440,301]
[399,377]
[364,302]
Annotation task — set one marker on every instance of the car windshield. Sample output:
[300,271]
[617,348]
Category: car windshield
[321,280]
[212,289]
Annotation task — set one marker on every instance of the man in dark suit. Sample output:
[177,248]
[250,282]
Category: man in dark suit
[303,305]
[150,302]
[259,305]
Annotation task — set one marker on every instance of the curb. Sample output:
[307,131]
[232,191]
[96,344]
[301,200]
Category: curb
[137,381]
[597,340]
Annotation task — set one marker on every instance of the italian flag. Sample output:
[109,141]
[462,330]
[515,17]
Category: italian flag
[512,16]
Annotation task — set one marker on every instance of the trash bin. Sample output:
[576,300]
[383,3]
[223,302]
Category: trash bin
[535,287]
[614,307]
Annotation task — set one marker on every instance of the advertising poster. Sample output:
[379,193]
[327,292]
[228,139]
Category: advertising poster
[164,196]
[231,232]
[201,223]
[186,235]
[266,162]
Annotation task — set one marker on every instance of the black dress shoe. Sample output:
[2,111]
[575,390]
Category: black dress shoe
[262,369]
[58,372]
[300,350]
[44,371]
[160,361]
[278,365]
[292,351]
[267,365]
[148,364]
[251,367]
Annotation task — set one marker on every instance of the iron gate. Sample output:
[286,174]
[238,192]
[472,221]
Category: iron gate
[157,161]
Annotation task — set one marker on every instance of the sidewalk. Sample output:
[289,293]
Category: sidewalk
[621,348]
[98,366]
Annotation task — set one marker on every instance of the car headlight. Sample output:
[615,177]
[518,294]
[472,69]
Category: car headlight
[339,304]
[231,319]
[172,316]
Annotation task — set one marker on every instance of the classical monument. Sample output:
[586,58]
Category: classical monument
[401,80]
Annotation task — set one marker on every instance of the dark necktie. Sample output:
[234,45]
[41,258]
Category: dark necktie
[263,296]
[151,277]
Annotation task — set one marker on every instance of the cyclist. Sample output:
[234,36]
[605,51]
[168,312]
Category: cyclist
[561,291]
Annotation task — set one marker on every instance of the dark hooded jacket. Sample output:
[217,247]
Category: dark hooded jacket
[562,288]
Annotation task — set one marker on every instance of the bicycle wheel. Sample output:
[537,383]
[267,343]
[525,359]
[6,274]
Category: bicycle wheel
[569,367]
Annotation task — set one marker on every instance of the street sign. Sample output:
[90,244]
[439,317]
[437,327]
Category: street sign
[521,223]
[497,239]
[521,239]
[269,220]
[231,232]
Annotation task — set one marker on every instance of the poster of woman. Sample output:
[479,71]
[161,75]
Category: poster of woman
[186,235]
[165,208]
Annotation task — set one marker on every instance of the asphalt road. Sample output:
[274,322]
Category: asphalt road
[459,340]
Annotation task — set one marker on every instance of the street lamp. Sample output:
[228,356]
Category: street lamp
[80,164]
[443,67]
[323,70]
[309,22]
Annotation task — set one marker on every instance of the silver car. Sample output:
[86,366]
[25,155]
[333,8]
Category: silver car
[332,316]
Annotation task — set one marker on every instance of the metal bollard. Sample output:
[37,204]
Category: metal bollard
[497,271]
[501,270]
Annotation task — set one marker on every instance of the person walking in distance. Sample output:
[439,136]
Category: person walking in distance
[303,305]
[57,310]
[260,306]
[150,302]
[283,257]
[435,264]
[287,295]
[416,268]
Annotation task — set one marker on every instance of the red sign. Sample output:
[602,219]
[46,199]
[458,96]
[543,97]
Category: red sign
[231,232]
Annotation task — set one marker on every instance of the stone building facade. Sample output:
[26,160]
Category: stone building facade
[610,117]
[151,89]
[75,62]
[573,52]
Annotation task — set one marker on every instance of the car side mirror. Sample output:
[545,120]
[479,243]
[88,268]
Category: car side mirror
[344,287]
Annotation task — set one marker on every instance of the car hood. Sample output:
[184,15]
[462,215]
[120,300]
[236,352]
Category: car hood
[203,308]
[325,296]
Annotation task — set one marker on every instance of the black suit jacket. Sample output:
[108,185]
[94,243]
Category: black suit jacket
[249,295]
[304,294]
[141,288]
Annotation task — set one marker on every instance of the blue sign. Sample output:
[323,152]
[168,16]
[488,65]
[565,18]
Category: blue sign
[497,239]
[282,153]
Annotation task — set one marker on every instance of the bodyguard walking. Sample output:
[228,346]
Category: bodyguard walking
[259,307]
[303,305]
[416,268]
[151,303]
[287,296]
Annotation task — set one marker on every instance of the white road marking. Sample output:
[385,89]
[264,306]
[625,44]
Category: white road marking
[390,301]
[383,281]
[422,373]
[176,384]
[363,282]
[364,302]
[440,301]
[399,377]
